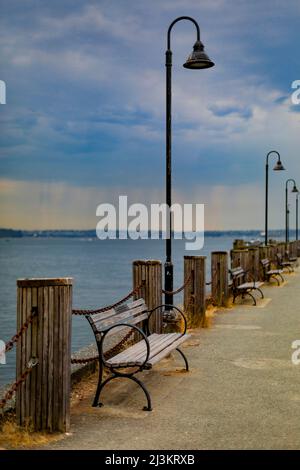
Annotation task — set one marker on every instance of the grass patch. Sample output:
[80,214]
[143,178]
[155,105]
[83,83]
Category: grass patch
[13,436]
[208,316]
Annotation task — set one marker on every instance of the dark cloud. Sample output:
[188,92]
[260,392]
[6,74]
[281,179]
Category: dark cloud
[86,84]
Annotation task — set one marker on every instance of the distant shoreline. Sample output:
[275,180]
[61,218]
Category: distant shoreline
[12,233]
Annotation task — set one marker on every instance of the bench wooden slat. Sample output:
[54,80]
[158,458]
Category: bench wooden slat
[104,324]
[249,285]
[236,272]
[113,311]
[158,341]
[138,351]
[134,351]
[275,271]
[128,321]
[130,305]
[265,261]
[133,314]
[136,354]
[167,350]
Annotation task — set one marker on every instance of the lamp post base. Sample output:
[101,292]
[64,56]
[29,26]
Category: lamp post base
[168,284]
[172,322]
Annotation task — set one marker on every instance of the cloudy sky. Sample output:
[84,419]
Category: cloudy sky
[84,119]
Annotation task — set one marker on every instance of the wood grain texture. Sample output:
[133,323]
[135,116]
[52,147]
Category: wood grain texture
[253,263]
[61,281]
[239,258]
[160,346]
[219,277]
[195,291]
[149,271]
[44,398]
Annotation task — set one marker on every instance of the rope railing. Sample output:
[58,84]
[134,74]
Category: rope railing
[117,347]
[213,278]
[108,354]
[109,307]
[176,291]
[10,344]
[83,360]
[31,364]
[210,299]
[9,394]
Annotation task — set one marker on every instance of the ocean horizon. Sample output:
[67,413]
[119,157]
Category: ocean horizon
[91,233]
[101,269]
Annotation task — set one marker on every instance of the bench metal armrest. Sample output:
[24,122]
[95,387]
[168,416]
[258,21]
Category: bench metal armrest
[252,277]
[173,307]
[101,354]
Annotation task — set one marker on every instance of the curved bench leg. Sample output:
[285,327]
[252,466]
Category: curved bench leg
[252,296]
[184,358]
[282,278]
[149,405]
[100,388]
[102,385]
[96,399]
[261,292]
[276,279]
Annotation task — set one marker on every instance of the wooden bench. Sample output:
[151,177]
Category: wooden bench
[281,263]
[240,287]
[142,355]
[292,259]
[271,273]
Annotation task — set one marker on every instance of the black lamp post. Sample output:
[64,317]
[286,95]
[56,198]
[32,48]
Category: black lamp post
[297,214]
[277,167]
[197,60]
[287,211]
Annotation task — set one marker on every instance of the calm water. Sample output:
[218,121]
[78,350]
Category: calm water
[101,270]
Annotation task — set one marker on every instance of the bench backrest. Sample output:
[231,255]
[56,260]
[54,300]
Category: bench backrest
[131,313]
[265,262]
[237,275]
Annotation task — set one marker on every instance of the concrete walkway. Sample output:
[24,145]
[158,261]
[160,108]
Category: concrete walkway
[243,391]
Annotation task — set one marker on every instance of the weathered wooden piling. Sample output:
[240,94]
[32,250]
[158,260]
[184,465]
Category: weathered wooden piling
[253,262]
[281,249]
[149,272]
[293,249]
[264,253]
[219,277]
[195,290]
[272,250]
[43,399]
[239,244]
[239,258]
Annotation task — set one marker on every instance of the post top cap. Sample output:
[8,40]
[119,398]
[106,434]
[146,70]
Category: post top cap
[44,282]
[149,262]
